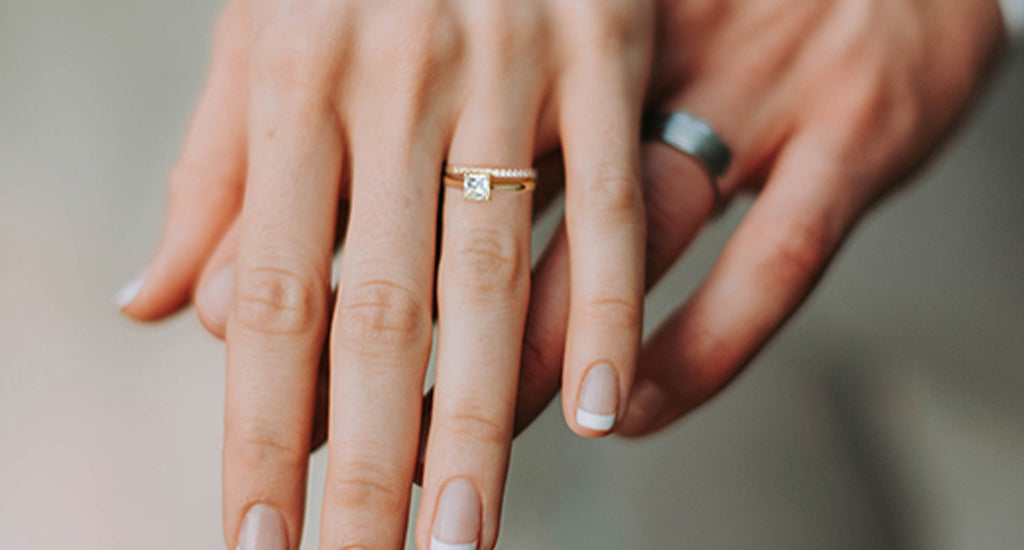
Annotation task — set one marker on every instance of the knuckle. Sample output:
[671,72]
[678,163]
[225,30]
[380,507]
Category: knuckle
[382,315]
[505,33]
[488,263]
[367,485]
[280,300]
[262,448]
[609,28]
[617,312]
[430,44]
[872,96]
[704,354]
[410,67]
[475,424]
[292,61]
[885,104]
[798,250]
[614,196]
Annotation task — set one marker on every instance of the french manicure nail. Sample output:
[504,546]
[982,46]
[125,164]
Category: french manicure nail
[457,523]
[130,290]
[263,529]
[599,398]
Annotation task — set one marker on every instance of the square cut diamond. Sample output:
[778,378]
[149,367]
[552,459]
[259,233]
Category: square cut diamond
[476,187]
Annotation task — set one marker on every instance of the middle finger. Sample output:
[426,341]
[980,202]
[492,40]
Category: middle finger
[382,323]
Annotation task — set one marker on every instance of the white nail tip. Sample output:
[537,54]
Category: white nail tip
[438,545]
[130,290]
[599,422]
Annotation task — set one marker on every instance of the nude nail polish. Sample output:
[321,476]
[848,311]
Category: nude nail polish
[262,529]
[599,398]
[457,522]
[130,290]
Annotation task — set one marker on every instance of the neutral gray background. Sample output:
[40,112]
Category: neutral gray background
[888,414]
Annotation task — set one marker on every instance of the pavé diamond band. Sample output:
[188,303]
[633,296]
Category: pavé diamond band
[478,182]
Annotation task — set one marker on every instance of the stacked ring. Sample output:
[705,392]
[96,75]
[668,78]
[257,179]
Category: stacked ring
[478,182]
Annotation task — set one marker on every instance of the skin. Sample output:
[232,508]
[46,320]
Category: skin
[367,101]
[828,107]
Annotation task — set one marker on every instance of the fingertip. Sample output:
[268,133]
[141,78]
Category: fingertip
[130,291]
[263,529]
[597,405]
[154,294]
[148,297]
[593,426]
[649,406]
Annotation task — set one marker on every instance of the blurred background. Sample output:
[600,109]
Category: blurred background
[889,414]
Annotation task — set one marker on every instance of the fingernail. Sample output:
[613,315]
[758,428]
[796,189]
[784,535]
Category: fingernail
[457,524]
[130,290]
[263,529]
[599,398]
[215,297]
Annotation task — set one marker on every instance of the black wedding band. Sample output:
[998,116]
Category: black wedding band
[693,137]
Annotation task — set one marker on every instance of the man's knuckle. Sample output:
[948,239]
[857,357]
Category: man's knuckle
[279,299]
[704,353]
[382,314]
[799,250]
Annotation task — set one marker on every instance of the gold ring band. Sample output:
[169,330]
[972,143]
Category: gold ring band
[522,185]
[478,182]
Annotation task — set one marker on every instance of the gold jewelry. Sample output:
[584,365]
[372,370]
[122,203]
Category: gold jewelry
[478,182]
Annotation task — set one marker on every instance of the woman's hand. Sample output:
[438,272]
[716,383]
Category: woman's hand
[321,101]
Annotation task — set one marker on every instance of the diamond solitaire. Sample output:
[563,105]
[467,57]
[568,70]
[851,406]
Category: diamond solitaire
[477,182]
[476,187]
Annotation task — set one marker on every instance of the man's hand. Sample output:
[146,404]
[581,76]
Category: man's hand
[827,106]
